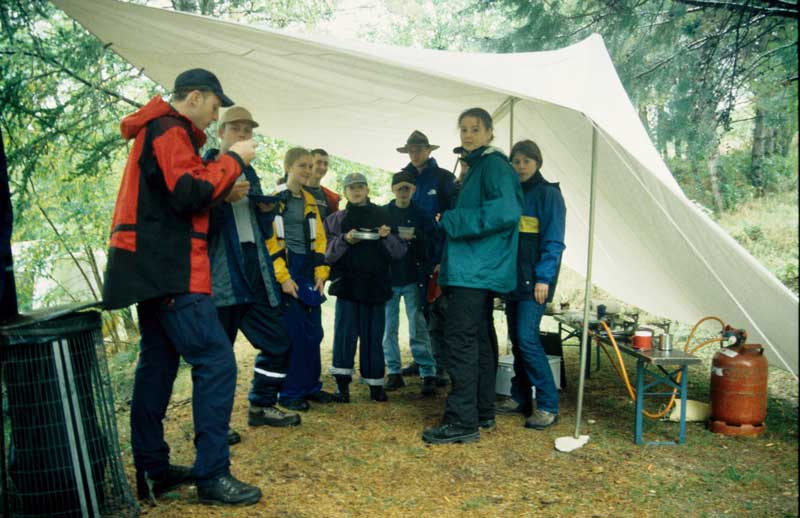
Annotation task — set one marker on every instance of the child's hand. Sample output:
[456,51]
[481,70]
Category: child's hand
[349,237]
[289,287]
[384,231]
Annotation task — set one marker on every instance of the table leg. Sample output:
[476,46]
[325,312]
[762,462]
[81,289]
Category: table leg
[637,429]
[684,383]
[588,356]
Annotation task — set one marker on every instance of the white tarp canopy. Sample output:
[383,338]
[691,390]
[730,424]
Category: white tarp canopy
[653,247]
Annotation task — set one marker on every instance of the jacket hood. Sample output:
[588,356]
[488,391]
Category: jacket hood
[155,108]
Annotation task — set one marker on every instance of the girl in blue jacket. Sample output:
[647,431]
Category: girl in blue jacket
[479,259]
[541,243]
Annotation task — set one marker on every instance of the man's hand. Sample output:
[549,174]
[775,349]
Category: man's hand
[238,191]
[319,285]
[289,287]
[540,291]
[350,239]
[246,149]
[384,231]
[265,207]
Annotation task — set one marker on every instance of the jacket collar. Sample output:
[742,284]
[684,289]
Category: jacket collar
[477,154]
[430,164]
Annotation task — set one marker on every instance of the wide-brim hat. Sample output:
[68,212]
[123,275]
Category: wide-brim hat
[417,138]
[235,114]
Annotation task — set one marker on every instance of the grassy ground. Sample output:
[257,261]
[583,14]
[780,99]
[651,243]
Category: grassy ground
[367,459]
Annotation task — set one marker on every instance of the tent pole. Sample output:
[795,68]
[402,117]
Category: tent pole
[587,298]
[511,128]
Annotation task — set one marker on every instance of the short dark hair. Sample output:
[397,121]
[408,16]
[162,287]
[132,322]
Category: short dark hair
[183,92]
[480,114]
[528,148]
[319,151]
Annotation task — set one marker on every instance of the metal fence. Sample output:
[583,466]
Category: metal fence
[59,452]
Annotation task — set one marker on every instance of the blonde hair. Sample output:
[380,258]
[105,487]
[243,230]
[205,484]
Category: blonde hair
[292,156]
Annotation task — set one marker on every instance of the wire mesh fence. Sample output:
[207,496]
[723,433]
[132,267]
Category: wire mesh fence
[59,452]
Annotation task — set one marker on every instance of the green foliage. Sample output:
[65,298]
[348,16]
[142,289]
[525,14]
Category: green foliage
[686,68]
[768,228]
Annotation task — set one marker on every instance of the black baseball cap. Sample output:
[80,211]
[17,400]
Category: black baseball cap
[403,177]
[202,79]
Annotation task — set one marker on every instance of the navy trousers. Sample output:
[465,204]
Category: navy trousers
[183,326]
[304,325]
[355,321]
[264,328]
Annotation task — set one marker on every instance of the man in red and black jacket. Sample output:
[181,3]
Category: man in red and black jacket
[158,258]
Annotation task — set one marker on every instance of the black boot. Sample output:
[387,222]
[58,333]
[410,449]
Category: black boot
[227,490]
[342,388]
[150,488]
[376,393]
[233,438]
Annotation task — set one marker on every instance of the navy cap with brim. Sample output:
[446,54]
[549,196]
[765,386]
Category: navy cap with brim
[203,80]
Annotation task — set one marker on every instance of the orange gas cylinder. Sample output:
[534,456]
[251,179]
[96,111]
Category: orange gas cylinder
[739,390]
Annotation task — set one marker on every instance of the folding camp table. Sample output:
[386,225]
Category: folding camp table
[656,376]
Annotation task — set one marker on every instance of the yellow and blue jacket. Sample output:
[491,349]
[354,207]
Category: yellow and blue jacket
[314,234]
[541,237]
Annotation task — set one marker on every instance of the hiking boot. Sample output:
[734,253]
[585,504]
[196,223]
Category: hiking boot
[428,386]
[297,405]
[541,419]
[233,438]
[271,416]
[341,397]
[449,433]
[227,490]
[411,370]
[487,424]
[321,397]
[342,394]
[394,382]
[377,393]
[442,380]
[150,488]
[507,406]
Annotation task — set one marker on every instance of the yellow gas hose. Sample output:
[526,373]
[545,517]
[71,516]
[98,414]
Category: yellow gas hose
[623,373]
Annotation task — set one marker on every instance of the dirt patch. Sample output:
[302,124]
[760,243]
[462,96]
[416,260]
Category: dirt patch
[367,459]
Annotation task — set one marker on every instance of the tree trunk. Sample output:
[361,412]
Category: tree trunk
[713,160]
[757,155]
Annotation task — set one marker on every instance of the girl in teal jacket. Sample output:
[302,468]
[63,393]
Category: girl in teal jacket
[479,259]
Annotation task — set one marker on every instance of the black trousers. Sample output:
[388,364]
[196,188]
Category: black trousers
[471,356]
[264,328]
[435,314]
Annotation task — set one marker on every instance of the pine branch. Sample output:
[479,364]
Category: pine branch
[789,11]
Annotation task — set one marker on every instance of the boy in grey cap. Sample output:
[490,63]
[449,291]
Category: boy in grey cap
[360,250]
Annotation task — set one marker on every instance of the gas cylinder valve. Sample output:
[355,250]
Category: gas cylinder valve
[733,337]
